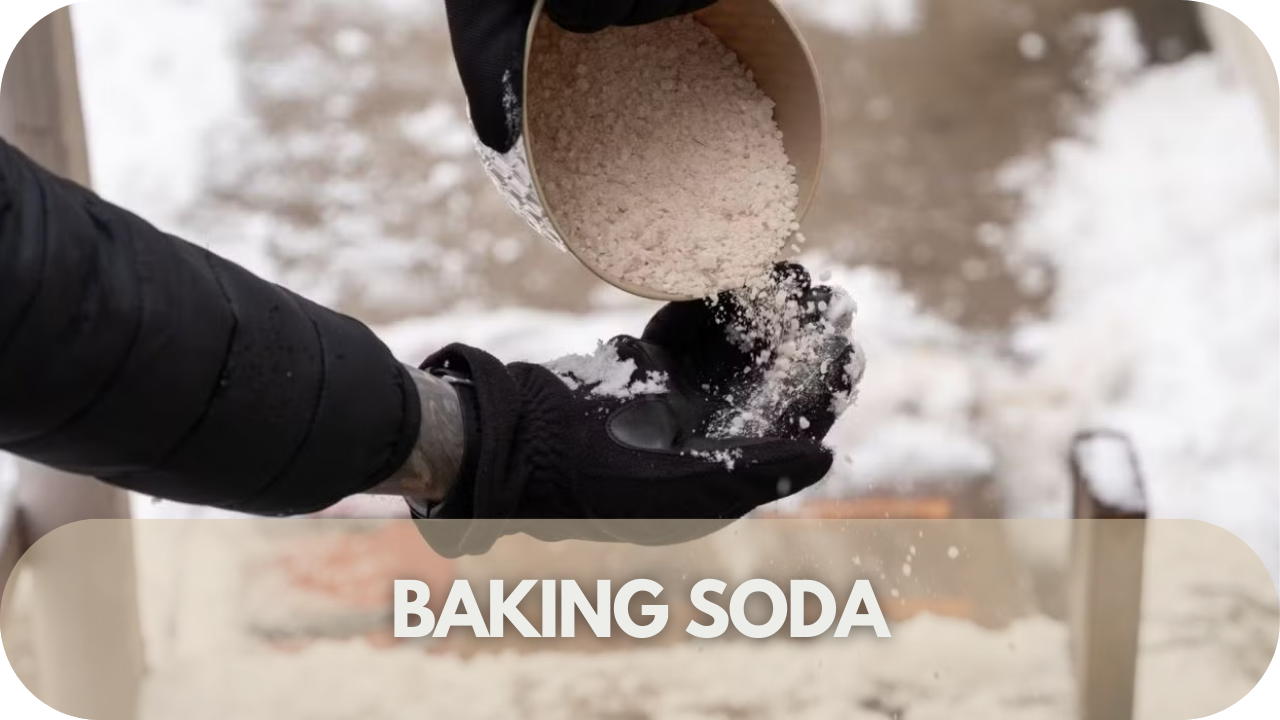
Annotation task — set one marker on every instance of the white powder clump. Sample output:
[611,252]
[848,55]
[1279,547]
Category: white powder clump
[794,343]
[1107,464]
[659,156]
[606,374]
[728,458]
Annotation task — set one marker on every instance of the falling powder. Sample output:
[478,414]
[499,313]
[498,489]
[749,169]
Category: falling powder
[795,346]
[660,159]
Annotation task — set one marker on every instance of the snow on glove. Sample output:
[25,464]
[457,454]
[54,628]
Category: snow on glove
[622,440]
[489,45]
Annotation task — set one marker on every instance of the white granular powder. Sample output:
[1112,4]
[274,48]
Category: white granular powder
[659,156]
[606,375]
[794,345]
[727,458]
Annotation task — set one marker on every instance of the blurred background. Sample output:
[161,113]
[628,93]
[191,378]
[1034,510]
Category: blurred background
[1055,216]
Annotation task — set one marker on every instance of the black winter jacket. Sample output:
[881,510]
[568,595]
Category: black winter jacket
[138,358]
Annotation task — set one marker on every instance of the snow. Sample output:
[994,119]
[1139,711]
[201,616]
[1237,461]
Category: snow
[514,334]
[1161,221]
[1108,466]
[439,129]
[150,106]
[860,17]
[1117,53]
[1033,45]
[911,425]
[904,452]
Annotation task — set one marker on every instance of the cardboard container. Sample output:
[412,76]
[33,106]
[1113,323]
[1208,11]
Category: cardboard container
[768,43]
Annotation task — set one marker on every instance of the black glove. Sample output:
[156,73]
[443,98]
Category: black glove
[542,448]
[489,45]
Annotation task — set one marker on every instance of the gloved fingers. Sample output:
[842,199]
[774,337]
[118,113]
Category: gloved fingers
[828,308]
[792,276]
[648,357]
[757,317]
[694,335]
[661,532]
[678,323]
[488,39]
[787,283]
[453,539]
[762,472]
[553,530]
[719,344]
[587,16]
[837,308]
[814,411]
[646,532]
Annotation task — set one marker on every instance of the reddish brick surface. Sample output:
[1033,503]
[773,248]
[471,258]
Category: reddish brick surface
[357,570]
[879,508]
[337,580]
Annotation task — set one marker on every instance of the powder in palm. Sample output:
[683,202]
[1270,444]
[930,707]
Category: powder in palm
[794,346]
[606,375]
[659,156]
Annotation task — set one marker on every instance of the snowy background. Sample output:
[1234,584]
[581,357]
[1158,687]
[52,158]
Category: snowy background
[1055,216]
[1071,235]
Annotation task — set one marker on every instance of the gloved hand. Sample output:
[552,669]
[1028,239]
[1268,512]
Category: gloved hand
[489,46]
[636,434]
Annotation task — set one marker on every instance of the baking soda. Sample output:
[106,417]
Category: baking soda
[792,343]
[607,375]
[659,156]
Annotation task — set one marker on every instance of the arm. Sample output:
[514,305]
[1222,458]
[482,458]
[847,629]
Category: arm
[136,357]
[433,465]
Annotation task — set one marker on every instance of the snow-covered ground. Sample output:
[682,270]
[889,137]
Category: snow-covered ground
[1158,218]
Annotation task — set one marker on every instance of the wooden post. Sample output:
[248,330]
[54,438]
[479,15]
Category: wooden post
[1105,580]
[40,113]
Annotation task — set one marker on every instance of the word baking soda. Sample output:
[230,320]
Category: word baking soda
[659,156]
[462,610]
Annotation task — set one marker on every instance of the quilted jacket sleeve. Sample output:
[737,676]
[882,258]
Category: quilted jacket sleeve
[150,363]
